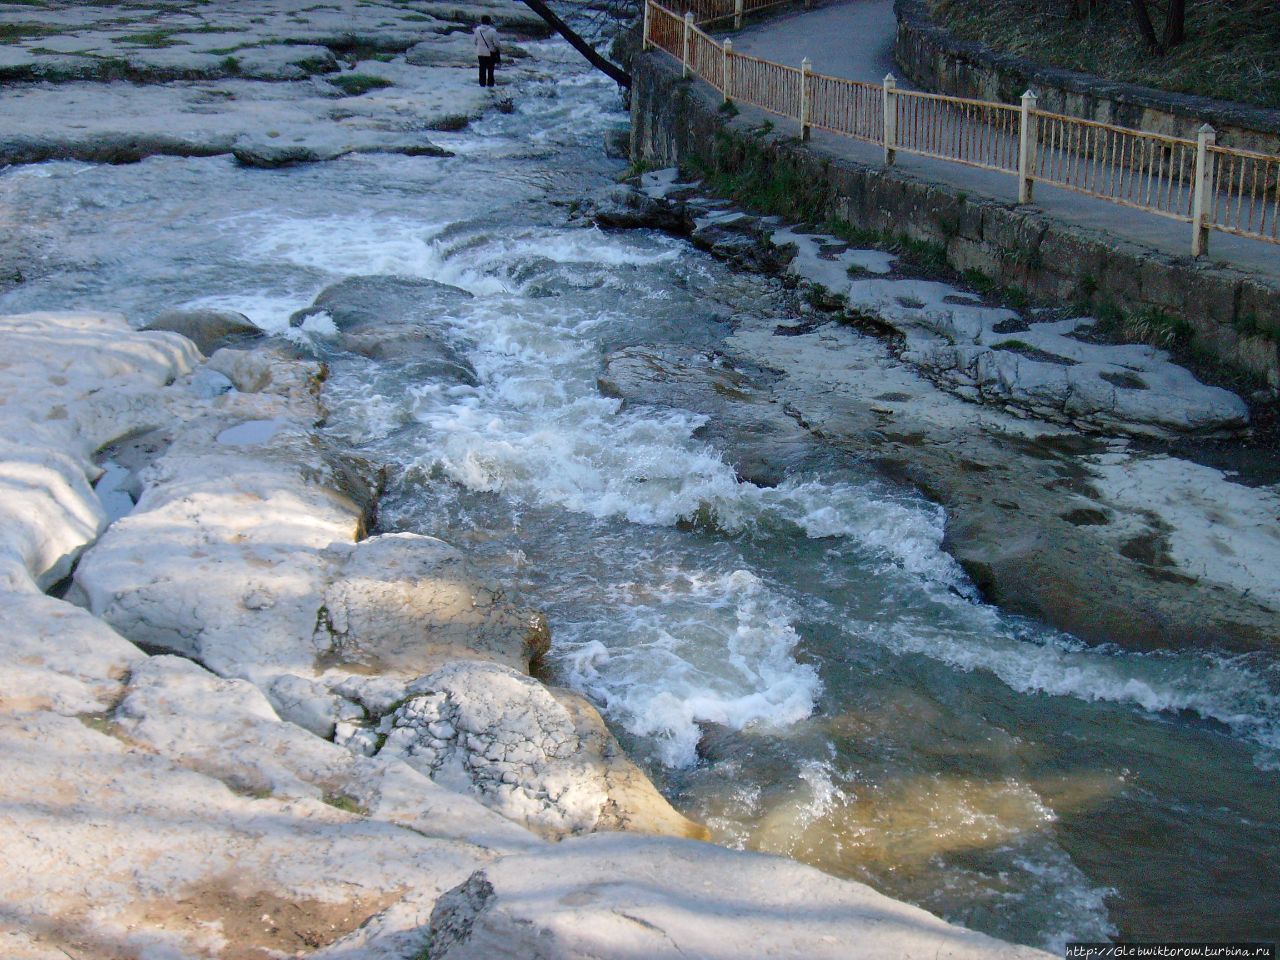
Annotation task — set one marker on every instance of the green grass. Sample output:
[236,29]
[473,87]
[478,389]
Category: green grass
[154,38]
[1153,327]
[346,803]
[1232,50]
[15,32]
[355,84]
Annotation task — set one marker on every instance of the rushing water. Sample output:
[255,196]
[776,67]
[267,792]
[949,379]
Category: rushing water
[802,667]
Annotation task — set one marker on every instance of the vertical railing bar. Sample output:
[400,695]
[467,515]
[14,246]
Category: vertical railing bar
[1253,193]
[1027,146]
[1240,193]
[805,66]
[1151,171]
[684,56]
[890,116]
[1182,179]
[1275,206]
[1203,180]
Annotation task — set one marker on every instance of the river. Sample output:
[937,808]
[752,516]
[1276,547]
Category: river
[802,667]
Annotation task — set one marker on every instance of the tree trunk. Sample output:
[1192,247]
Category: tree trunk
[1175,23]
[614,72]
[1145,27]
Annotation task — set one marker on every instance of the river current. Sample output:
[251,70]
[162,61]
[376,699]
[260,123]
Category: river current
[801,667]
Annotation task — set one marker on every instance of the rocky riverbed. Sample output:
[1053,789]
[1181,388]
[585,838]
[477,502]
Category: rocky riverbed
[1050,447]
[399,566]
[248,731]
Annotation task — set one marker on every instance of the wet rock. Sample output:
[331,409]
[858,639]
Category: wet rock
[756,434]
[623,208]
[396,320]
[107,147]
[207,329]
[269,156]
[742,240]
[388,300]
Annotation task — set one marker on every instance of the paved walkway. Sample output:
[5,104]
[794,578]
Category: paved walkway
[854,39]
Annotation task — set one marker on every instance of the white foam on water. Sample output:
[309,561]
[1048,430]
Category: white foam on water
[699,648]
[1241,692]
[1073,908]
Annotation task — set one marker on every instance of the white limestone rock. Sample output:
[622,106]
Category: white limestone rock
[1052,370]
[615,895]
[123,851]
[56,657]
[404,604]
[310,705]
[70,383]
[227,729]
[541,757]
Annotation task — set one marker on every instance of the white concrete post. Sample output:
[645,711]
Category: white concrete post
[684,57]
[1027,146]
[645,44]
[890,118]
[737,14]
[806,67]
[728,71]
[1203,191]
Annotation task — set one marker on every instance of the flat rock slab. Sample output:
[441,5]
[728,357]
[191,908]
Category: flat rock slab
[270,40]
[1054,370]
[615,896]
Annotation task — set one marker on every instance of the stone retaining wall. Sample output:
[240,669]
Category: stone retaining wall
[934,59]
[1235,316]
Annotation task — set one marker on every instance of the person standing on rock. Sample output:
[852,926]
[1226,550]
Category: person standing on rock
[487,49]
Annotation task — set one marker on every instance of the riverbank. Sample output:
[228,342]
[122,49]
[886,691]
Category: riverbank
[1039,516]
[1063,247]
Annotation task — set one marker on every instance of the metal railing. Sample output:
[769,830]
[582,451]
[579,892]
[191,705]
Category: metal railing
[1197,181]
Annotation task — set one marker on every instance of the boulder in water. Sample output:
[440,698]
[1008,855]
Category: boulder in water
[207,329]
[396,320]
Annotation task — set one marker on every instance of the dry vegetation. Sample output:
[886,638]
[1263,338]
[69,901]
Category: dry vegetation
[1231,50]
